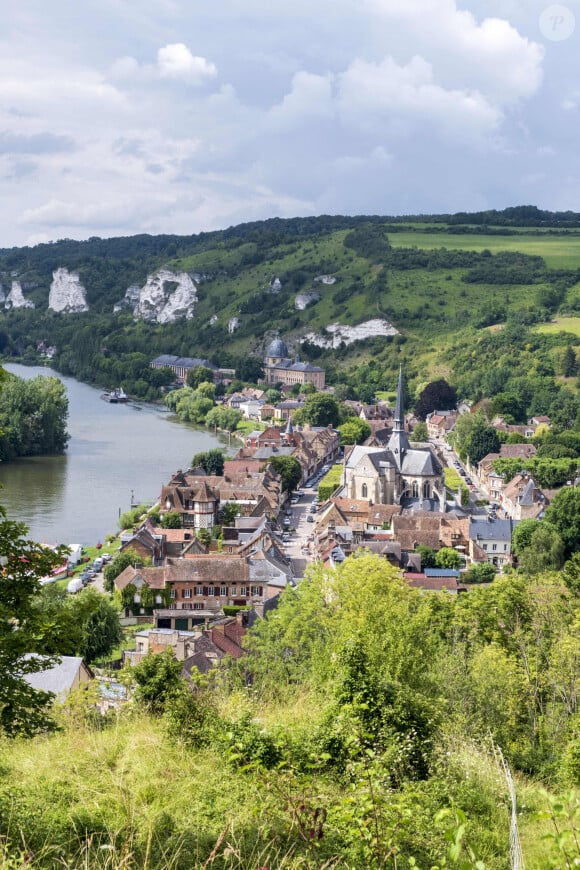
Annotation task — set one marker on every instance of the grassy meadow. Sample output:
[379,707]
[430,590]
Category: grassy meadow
[560,251]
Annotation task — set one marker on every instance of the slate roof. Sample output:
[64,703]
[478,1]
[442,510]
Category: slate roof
[416,461]
[496,530]
[58,679]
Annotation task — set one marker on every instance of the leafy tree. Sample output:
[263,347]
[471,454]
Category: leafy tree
[223,418]
[447,557]
[33,417]
[564,514]
[522,535]
[212,461]
[569,363]
[427,556]
[319,409]
[436,395]
[206,390]
[354,431]
[198,375]
[172,520]
[99,622]
[23,629]
[420,432]
[545,551]
[118,565]
[571,573]
[249,369]
[289,469]
[158,678]
[483,440]
[481,572]
[229,512]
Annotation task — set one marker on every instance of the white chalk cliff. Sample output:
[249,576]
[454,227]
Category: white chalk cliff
[166,297]
[16,298]
[303,300]
[67,294]
[347,334]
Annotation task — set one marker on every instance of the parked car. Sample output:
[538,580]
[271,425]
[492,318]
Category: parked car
[286,537]
[310,519]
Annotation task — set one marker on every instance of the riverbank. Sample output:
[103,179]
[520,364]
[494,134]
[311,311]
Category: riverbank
[117,455]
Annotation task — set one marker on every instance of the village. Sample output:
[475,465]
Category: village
[387,496]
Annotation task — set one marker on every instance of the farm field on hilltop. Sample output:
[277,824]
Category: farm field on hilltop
[558,251]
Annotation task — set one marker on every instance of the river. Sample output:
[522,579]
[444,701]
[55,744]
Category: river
[117,454]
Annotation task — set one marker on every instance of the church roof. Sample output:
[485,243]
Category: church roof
[277,347]
[416,461]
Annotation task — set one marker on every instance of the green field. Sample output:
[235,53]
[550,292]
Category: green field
[558,251]
[560,324]
[452,480]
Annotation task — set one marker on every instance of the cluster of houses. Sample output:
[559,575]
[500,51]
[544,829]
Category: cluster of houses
[202,591]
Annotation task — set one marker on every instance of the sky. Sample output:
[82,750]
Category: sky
[178,116]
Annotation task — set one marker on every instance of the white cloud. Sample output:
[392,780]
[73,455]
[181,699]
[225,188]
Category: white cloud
[176,61]
[491,56]
[310,97]
[381,93]
[108,124]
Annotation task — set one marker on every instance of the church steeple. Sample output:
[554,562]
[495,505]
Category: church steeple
[399,414]
[398,442]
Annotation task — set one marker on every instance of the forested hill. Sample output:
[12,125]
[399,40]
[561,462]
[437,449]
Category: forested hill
[443,281]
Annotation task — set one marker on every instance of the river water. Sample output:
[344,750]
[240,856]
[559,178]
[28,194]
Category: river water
[117,454]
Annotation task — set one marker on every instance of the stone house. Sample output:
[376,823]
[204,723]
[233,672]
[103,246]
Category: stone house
[412,529]
[521,498]
[198,497]
[490,540]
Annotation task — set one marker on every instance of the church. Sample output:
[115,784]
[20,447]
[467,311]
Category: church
[411,476]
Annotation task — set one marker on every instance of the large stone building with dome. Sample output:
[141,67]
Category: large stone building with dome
[280,368]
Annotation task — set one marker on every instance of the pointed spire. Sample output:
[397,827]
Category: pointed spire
[398,442]
[399,414]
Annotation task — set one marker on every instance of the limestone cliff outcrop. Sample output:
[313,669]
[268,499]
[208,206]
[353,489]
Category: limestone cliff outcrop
[16,298]
[67,294]
[166,297]
[339,334]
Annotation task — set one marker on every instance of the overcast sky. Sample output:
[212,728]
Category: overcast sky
[176,116]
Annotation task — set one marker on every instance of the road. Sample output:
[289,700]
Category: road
[298,547]
[450,459]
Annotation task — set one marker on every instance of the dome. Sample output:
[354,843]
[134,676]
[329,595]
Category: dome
[277,348]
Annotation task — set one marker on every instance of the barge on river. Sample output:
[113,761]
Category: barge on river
[116,396]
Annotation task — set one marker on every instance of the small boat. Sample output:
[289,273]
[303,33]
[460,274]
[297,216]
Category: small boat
[115,396]
[56,574]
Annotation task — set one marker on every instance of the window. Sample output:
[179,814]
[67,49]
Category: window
[172,593]
[484,546]
[494,547]
[186,593]
[230,549]
[199,590]
[211,590]
[223,590]
[365,491]
[198,605]
[415,489]
[426,490]
[234,590]
[243,590]
[256,590]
